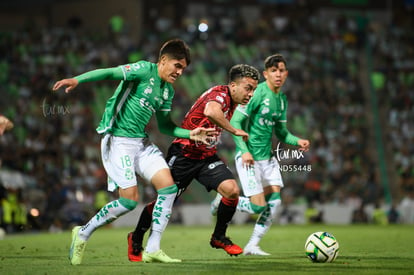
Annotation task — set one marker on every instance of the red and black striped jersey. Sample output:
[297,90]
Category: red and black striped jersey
[195,118]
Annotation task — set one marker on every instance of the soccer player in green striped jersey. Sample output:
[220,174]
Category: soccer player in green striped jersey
[256,165]
[145,89]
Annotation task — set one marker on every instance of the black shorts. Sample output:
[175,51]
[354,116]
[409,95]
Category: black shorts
[210,172]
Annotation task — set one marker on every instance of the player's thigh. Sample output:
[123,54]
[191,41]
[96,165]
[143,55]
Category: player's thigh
[248,177]
[183,170]
[162,178]
[149,162]
[270,173]
[118,160]
[215,172]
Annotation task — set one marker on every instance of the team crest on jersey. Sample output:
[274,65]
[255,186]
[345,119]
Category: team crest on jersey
[267,122]
[136,66]
[265,110]
[129,175]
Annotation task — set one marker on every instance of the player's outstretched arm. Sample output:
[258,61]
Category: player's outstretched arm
[69,83]
[5,124]
[213,111]
[168,127]
[95,75]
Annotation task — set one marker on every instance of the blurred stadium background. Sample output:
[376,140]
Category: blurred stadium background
[350,90]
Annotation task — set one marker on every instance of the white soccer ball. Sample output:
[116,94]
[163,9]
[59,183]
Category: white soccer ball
[321,247]
[2,233]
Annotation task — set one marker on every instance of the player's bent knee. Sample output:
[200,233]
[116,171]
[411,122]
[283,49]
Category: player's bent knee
[229,189]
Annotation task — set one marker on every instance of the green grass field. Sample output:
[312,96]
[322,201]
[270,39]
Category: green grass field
[364,249]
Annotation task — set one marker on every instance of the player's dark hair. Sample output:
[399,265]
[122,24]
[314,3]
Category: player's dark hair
[274,60]
[176,49]
[242,70]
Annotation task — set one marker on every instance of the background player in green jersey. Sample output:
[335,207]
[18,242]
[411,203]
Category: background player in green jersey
[257,168]
[145,89]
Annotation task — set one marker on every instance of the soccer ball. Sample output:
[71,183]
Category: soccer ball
[321,247]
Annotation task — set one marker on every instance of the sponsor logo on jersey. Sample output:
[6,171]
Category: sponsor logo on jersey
[264,121]
[165,94]
[144,103]
[215,164]
[148,90]
[220,99]
[265,110]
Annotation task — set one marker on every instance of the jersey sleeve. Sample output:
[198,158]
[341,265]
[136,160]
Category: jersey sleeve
[252,106]
[283,117]
[240,116]
[237,121]
[136,71]
[168,127]
[215,94]
[284,135]
[100,74]
[280,128]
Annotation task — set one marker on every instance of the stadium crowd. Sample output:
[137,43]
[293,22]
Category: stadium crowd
[51,159]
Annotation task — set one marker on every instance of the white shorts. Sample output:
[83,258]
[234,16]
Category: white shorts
[264,173]
[122,157]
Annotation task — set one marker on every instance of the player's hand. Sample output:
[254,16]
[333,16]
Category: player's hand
[247,160]
[5,124]
[303,144]
[70,84]
[205,135]
[242,134]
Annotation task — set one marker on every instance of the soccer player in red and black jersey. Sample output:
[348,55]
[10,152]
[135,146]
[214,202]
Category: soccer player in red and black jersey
[190,160]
